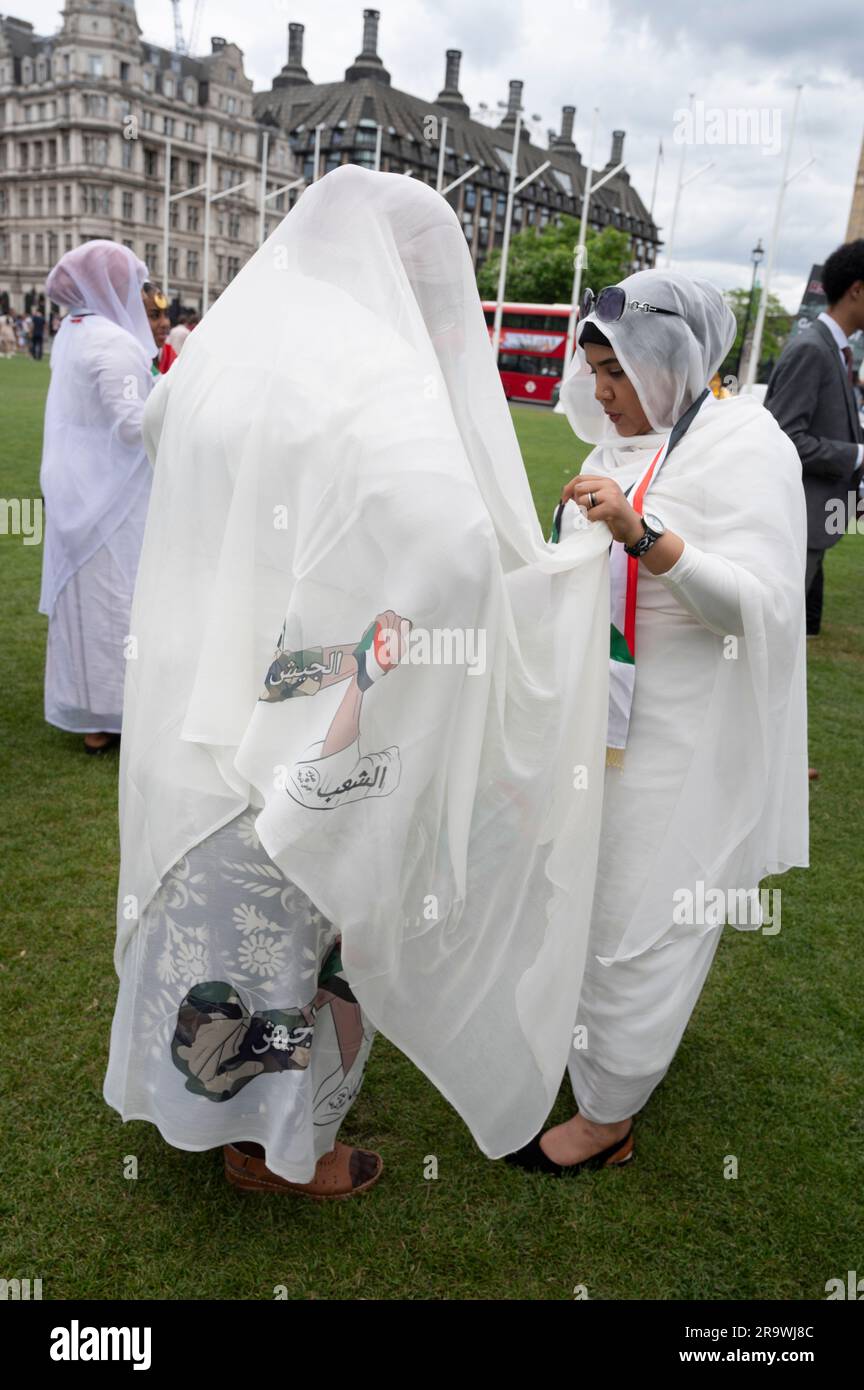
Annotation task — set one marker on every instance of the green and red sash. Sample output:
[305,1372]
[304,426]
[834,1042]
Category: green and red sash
[624,581]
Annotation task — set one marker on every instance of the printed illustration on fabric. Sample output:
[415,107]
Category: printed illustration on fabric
[335,771]
[220,1045]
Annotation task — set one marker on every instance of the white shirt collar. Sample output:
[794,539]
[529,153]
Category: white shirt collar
[836,332]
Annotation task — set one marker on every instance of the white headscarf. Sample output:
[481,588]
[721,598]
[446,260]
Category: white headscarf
[355,454]
[94,469]
[731,487]
[103,277]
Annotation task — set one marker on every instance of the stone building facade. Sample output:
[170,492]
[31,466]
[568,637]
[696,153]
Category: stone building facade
[85,119]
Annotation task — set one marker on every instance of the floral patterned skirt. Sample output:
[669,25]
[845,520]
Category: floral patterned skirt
[234,1019]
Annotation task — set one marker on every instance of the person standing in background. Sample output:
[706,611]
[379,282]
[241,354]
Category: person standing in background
[95,479]
[37,335]
[811,396]
[156,304]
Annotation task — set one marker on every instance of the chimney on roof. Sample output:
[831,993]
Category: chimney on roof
[293,74]
[217,44]
[450,95]
[564,141]
[367,63]
[616,154]
[514,106]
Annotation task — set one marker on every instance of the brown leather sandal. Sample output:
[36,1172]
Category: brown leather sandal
[342,1173]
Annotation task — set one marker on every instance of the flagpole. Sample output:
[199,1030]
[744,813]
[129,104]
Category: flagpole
[657,164]
[678,188]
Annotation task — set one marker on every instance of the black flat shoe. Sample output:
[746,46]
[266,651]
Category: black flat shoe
[534,1160]
[102,747]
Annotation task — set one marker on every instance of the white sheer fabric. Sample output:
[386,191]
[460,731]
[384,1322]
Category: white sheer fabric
[354,457]
[94,469]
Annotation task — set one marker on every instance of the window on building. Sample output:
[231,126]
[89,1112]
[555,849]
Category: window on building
[173,261]
[174,216]
[95,65]
[147,119]
[148,80]
[23,156]
[194,173]
[95,104]
[127,157]
[367,132]
[192,219]
[168,125]
[190,92]
[125,72]
[39,248]
[192,264]
[128,207]
[24,202]
[151,162]
[95,200]
[25,248]
[189,132]
[151,256]
[95,150]
[151,208]
[37,202]
[168,86]
[234,225]
[233,266]
[67,198]
[52,201]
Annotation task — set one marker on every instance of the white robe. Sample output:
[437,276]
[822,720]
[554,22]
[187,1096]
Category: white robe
[96,482]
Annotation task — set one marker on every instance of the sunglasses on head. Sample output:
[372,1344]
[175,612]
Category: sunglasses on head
[611,304]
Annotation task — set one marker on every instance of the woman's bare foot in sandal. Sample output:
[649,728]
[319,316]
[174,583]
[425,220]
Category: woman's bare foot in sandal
[343,1172]
[580,1138]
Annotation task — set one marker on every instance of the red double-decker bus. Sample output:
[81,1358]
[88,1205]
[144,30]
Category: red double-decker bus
[531,351]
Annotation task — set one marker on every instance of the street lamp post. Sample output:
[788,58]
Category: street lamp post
[756,256]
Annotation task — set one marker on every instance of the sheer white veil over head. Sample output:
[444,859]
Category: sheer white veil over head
[94,469]
[104,278]
[333,445]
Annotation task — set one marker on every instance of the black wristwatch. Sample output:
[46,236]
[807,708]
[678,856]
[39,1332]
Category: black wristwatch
[653,529]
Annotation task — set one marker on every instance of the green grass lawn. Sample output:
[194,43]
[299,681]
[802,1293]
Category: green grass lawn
[769,1070]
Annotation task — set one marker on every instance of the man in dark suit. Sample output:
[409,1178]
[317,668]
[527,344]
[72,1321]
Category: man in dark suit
[811,396]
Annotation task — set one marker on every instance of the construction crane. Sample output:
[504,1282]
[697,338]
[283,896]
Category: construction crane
[179,41]
[182,45]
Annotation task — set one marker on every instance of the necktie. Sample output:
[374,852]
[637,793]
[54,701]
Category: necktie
[847,354]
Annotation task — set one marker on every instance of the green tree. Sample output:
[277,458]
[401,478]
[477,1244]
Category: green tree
[778,322]
[540,264]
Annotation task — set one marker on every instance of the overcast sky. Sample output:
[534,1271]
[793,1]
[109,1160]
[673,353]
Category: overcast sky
[635,61]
